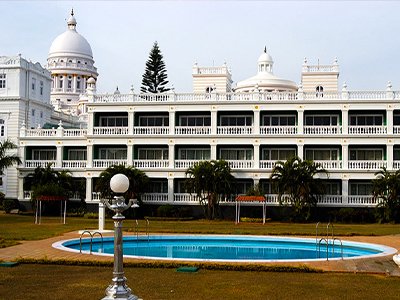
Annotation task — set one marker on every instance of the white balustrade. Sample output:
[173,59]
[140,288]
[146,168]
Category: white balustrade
[240,164]
[367,129]
[330,199]
[274,199]
[96,196]
[70,65]
[212,70]
[185,163]
[322,95]
[329,164]
[27,195]
[367,95]
[193,97]
[396,164]
[41,132]
[186,197]
[240,130]
[275,130]
[155,197]
[105,163]
[366,164]
[74,164]
[396,95]
[152,97]
[110,130]
[75,196]
[151,163]
[114,98]
[396,129]
[234,96]
[75,132]
[192,130]
[323,130]
[321,68]
[39,163]
[150,130]
[267,164]
[361,200]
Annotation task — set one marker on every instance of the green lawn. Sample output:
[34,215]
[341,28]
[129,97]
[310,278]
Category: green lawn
[72,282]
[14,228]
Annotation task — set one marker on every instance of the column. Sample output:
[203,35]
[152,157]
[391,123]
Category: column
[64,82]
[345,190]
[129,155]
[22,154]
[213,152]
[214,118]
[345,119]
[256,125]
[300,151]
[90,121]
[74,84]
[256,156]
[171,121]
[89,188]
[389,119]
[345,156]
[171,155]
[300,120]
[389,156]
[102,216]
[89,154]
[131,119]
[59,156]
[20,188]
[171,189]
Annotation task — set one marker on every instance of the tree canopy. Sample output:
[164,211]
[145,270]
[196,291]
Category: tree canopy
[154,79]
[211,181]
[296,183]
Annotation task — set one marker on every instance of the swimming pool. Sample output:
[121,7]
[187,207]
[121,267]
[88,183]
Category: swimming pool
[225,248]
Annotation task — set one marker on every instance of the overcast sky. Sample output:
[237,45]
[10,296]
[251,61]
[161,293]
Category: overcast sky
[363,35]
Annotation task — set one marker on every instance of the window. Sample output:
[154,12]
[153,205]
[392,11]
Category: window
[396,154]
[279,120]
[33,119]
[366,154]
[60,82]
[41,88]
[361,189]
[194,154]
[243,187]
[1,181]
[79,154]
[208,89]
[366,120]
[2,127]
[195,121]
[44,154]
[33,84]
[322,154]
[69,82]
[41,117]
[154,121]
[158,154]
[278,154]
[236,154]
[332,188]
[113,154]
[78,83]
[114,121]
[160,186]
[2,81]
[322,120]
[236,120]
[268,188]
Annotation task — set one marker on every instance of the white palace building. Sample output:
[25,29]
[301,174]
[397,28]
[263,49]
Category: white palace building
[251,125]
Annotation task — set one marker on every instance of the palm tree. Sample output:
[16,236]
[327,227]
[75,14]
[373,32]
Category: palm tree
[138,181]
[211,181]
[296,179]
[386,188]
[7,159]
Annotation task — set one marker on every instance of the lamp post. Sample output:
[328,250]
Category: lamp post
[119,184]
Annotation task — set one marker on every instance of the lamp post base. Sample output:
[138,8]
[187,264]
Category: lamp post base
[119,290]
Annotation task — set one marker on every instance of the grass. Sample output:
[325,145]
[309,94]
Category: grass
[23,228]
[72,282]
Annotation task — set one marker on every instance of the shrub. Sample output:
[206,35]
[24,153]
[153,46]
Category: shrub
[166,210]
[91,216]
[8,205]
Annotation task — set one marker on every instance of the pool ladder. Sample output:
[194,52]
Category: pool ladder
[333,238]
[147,229]
[91,240]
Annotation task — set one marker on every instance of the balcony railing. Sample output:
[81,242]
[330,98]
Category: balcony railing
[329,164]
[396,129]
[240,164]
[267,164]
[39,163]
[362,200]
[54,132]
[74,164]
[186,197]
[41,132]
[238,130]
[330,199]
[96,196]
[151,163]
[110,130]
[155,197]
[75,132]
[323,130]
[150,130]
[281,130]
[396,164]
[367,129]
[185,163]
[192,130]
[366,164]
[105,163]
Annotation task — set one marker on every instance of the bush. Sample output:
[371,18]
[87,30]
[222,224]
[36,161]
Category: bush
[91,216]
[166,210]
[8,205]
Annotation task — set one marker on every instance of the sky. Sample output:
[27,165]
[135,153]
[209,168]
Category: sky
[363,35]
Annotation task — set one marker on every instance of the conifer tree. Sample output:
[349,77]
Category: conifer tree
[155,76]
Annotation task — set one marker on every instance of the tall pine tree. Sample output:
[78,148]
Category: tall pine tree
[155,76]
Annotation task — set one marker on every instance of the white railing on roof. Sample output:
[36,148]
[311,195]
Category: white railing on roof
[151,163]
[329,164]
[110,130]
[155,197]
[193,97]
[322,130]
[367,95]
[274,130]
[39,163]
[367,129]
[150,130]
[240,164]
[186,197]
[234,96]
[241,130]
[105,163]
[185,163]
[70,65]
[361,200]
[41,132]
[192,130]
[212,70]
[267,164]
[75,132]
[74,164]
[322,95]
[114,98]
[321,68]
[366,164]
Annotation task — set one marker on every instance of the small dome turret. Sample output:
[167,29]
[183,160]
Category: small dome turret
[265,62]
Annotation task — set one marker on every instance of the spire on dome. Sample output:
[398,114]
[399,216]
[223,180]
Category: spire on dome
[265,49]
[72,21]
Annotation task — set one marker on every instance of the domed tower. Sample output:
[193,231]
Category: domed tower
[265,80]
[71,63]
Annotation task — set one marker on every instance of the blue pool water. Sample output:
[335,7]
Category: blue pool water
[225,248]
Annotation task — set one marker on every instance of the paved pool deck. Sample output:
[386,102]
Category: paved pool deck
[378,265]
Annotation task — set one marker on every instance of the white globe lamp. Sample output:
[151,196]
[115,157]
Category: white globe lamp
[119,183]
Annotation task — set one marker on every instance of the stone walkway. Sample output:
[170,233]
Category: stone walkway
[380,265]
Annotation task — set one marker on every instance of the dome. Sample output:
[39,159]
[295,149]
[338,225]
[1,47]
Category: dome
[265,58]
[91,80]
[71,42]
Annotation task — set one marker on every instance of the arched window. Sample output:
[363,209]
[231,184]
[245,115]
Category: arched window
[209,89]
[2,127]
[319,91]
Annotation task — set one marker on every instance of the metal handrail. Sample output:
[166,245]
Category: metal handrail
[341,246]
[327,248]
[80,241]
[148,229]
[99,233]
[137,230]
[333,238]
